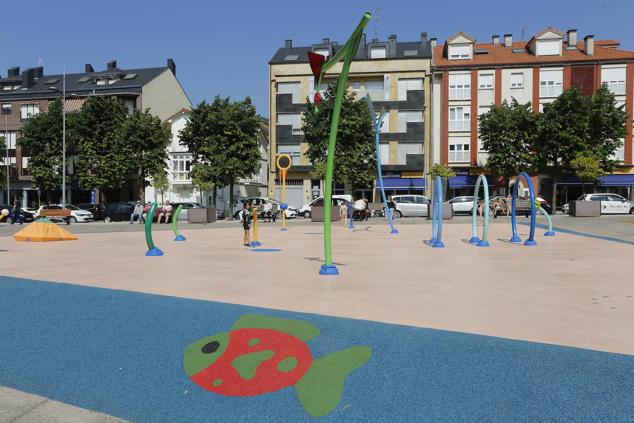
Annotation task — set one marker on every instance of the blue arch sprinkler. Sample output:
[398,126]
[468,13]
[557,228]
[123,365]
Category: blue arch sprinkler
[474,212]
[436,216]
[378,121]
[530,242]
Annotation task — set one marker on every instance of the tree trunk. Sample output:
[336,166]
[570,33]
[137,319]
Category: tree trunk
[102,195]
[49,197]
[554,203]
[141,186]
[231,198]
[215,197]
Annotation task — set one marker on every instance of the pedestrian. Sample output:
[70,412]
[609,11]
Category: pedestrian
[166,212]
[266,208]
[17,208]
[366,209]
[138,211]
[343,212]
[391,205]
[245,216]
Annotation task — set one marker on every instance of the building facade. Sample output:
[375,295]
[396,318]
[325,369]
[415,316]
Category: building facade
[396,76]
[470,77]
[180,186]
[25,94]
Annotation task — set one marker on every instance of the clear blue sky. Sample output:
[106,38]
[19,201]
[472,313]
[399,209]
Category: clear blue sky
[223,47]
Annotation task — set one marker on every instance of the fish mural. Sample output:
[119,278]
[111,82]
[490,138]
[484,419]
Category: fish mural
[262,354]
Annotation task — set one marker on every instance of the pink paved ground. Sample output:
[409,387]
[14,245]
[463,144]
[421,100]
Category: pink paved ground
[568,290]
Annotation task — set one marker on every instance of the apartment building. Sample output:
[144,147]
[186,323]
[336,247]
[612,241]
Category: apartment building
[24,94]
[396,76]
[180,186]
[471,77]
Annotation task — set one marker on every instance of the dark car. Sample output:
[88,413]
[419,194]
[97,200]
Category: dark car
[118,212]
[26,216]
[97,210]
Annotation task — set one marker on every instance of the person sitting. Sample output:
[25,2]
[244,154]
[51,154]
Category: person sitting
[497,208]
[138,211]
[146,210]
[266,209]
[166,211]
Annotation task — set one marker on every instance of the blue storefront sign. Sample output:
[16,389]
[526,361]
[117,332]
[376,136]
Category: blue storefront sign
[93,196]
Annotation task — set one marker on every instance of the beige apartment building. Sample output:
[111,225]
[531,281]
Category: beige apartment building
[396,76]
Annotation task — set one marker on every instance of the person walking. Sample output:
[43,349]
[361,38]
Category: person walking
[17,207]
[245,216]
[391,205]
[138,211]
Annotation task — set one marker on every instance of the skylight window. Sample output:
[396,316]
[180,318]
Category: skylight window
[290,57]
[84,79]
[410,53]
[52,81]
[130,76]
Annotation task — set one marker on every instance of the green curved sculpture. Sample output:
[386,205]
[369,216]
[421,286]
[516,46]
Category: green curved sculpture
[179,237]
[474,211]
[151,248]
[319,68]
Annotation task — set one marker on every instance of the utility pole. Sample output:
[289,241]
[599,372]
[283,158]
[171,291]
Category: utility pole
[64,138]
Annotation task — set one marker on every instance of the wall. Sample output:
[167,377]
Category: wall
[164,96]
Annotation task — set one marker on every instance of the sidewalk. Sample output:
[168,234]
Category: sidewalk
[20,407]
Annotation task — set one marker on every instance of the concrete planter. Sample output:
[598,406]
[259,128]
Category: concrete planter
[447,211]
[202,215]
[317,214]
[585,208]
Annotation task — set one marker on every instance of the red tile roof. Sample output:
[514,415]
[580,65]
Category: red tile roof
[497,54]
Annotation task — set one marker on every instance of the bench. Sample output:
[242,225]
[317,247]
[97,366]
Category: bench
[64,214]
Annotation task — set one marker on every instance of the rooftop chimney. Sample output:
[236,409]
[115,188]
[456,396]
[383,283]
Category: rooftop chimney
[495,39]
[572,37]
[391,45]
[325,41]
[14,71]
[38,72]
[588,40]
[433,42]
[288,43]
[88,68]
[172,66]
[508,40]
[27,78]
[112,65]
[363,40]
[423,36]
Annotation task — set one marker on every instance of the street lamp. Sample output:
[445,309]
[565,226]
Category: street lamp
[6,140]
[63,135]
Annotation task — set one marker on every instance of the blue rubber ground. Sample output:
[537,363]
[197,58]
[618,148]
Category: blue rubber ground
[121,353]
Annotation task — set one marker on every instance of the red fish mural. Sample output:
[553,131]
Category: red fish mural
[262,354]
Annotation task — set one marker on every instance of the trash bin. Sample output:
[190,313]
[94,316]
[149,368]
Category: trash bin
[317,214]
[201,215]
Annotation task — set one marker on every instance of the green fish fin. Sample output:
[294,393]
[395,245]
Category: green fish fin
[319,391]
[297,328]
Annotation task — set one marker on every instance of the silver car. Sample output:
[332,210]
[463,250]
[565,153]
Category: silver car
[463,204]
[410,205]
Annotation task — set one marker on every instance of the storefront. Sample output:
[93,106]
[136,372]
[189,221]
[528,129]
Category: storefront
[394,186]
[460,185]
[570,187]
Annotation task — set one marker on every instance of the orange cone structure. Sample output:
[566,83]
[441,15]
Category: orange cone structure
[42,231]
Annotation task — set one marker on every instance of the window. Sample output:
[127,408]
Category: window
[384,151]
[181,164]
[460,86]
[406,117]
[407,149]
[484,109]
[376,85]
[385,124]
[11,139]
[405,85]
[322,88]
[130,104]
[517,80]
[460,51]
[292,119]
[550,83]
[291,150]
[293,88]
[356,85]
[6,108]
[548,47]
[28,110]
[485,81]
[459,150]
[614,78]
[459,119]
[323,51]
[377,53]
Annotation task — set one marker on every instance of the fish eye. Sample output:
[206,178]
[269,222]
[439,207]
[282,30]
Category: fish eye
[210,347]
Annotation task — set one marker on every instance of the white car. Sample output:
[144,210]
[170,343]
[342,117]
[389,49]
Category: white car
[291,211]
[77,215]
[463,204]
[410,205]
[610,203]
[319,201]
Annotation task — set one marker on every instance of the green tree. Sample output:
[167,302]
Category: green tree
[223,137]
[444,172]
[160,182]
[145,139]
[587,168]
[103,160]
[355,159]
[202,175]
[508,135]
[606,127]
[41,139]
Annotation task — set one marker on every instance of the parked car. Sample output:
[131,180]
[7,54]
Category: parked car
[305,210]
[186,206]
[410,205]
[462,204]
[54,218]
[291,211]
[26,216]
[78,215]
[97,210]
[610,203]
[118,212]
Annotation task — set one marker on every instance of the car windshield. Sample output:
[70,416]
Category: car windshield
[71,207]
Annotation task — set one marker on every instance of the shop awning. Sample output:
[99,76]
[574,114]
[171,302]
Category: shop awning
[403,183]
[462,181]
[617,180]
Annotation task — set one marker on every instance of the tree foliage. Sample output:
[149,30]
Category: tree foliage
[103,155]
[355,159]
[222,137]
[145,140]
[508,134]
[41,140]
[587,167]
[445,172]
